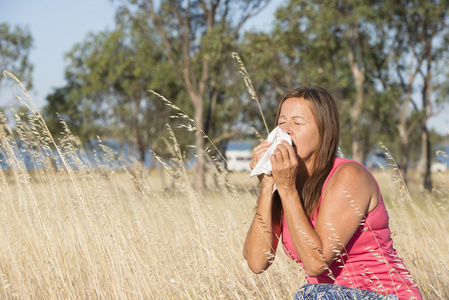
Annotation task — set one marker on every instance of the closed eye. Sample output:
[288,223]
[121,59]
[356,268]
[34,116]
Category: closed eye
[298,120]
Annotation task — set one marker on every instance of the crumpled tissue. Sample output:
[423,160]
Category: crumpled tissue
[263,166]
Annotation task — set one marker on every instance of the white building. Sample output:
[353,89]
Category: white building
[438,167]
[238,156]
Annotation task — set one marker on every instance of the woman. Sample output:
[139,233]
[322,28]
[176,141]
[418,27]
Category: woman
[328,210]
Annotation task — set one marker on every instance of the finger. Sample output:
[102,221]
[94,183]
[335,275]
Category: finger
[282,154]
[274,160]
[290,149]
[253,163]
[258,152]
[257,155]
[254,160]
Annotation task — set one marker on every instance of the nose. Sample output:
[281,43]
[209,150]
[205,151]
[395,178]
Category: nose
[286,128]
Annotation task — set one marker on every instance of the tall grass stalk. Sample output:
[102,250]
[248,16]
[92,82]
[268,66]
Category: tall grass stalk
[249,86]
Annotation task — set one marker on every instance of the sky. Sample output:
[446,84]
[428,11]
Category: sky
[57,25]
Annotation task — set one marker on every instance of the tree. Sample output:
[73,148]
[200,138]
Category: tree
[107,89]
[435,27]
[339,45]
[421,39]
[15,46]
[63,104]
[194,35]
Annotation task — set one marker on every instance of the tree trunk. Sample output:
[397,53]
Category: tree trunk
[211,111]
[142,151]
[356,111]
[425,139]
[182,45]
[405,129]
[403,160]
[199,183]
[357,139]
[141,148]
[425,149]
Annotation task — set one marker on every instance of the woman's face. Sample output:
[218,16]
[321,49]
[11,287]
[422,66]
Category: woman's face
[297,120]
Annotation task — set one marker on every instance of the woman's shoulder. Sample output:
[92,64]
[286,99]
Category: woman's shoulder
[348,168]
[351,174]
[351,182]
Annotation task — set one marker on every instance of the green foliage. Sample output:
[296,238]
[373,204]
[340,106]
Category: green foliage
[184,53]
[197,38]
[108,80]
[15,46]
[311,45]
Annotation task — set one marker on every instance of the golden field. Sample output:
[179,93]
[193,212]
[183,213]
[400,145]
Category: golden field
[128,233]
[119,231]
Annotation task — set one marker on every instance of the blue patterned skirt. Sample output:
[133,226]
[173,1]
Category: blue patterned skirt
[325,291]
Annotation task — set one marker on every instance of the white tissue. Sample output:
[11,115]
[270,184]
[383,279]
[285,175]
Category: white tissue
[263,166]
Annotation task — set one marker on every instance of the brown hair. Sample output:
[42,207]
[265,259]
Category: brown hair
[325,112]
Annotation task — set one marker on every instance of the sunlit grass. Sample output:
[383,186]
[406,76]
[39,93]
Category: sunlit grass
[127,233]
[119,231]
[112,234]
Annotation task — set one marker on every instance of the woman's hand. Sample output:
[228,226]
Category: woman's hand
[258,152]
[284,165]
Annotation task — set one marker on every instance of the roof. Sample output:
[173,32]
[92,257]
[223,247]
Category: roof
[240,146]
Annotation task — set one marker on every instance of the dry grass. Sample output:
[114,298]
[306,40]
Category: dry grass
[130,234]
[75,232]
[113,235]
[420,223]
[71,231]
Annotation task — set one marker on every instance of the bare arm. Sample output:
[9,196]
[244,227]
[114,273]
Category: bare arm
[263,236]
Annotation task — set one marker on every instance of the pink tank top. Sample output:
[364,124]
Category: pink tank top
[370,261]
